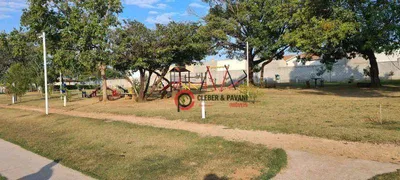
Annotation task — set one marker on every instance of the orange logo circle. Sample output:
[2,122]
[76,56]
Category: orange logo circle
[184,99]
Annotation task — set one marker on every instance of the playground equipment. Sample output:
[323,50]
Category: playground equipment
[184,82]
[127,93]
[177,83]
[123,89]
[238,81]
[180,79]
[94,93]
[227,75]
[115,94]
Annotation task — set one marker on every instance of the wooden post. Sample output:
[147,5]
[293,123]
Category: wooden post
[180,80]
[189,80]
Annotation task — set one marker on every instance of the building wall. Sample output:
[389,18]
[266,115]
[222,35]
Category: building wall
[113,83]
[343,70]
[2,89]
[289,71]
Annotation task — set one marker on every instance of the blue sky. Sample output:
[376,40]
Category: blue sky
[146,11]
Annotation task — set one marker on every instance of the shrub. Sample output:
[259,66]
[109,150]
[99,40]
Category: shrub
[251,91]
[69,95]
[17,80]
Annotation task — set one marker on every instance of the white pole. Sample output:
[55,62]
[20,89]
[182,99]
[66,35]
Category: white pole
[65,101]
[13,95]
[248,63]
[61,85]
[380,113]
[45,73]
[203,108]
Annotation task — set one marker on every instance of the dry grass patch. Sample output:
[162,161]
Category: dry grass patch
[334,112]
[117,150]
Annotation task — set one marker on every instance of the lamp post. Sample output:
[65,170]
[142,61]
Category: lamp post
[248,63]
[45,72]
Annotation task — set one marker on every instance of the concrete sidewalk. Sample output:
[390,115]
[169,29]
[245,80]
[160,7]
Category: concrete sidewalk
[18,163]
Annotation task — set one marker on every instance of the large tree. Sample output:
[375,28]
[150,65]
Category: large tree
[14,48]
[141,49]
[133,45]
[78,31]
[179,44]
[17,79]
[368,27]
[261,23]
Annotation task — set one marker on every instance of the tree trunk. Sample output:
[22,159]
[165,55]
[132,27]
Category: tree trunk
[374,70]
[147,85]
[159,79]
[251,67]
[104,80]
[262,72]
[132,84]
[141,84]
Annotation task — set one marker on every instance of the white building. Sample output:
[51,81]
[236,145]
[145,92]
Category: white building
[290,69]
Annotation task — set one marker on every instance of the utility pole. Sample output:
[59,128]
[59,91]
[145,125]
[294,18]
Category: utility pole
[45,73]
[248,63]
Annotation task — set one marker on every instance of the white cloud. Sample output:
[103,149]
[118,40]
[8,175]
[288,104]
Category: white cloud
[3,16]
[142,3]
[153,12]
[186,13]
[196,5]
[146,4]
[162,18]
[7,7]
[161,6]
[13,4]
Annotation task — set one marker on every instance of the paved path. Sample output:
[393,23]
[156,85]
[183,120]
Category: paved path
[303,165]
[309,157]
[18,163]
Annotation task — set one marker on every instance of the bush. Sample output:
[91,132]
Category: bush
[17,80]
[251,91]
[69,95]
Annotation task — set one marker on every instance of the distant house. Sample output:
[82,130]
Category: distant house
[2,89]
[290,69]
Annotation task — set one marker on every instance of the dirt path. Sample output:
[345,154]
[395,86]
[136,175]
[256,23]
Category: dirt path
[317,154]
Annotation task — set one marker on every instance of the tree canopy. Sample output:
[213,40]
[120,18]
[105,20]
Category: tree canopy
[142,49]
[78,31]
[17,79]
[347,28]
[261,23]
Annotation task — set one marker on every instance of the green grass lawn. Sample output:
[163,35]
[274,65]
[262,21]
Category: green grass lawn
[338,111]
[118,150]
[2,177]
[388,176]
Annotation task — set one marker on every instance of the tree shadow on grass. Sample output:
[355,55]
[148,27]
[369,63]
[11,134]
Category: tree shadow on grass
[352,91]
[44,173]
[214,177]
[392,176]
[388,125]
